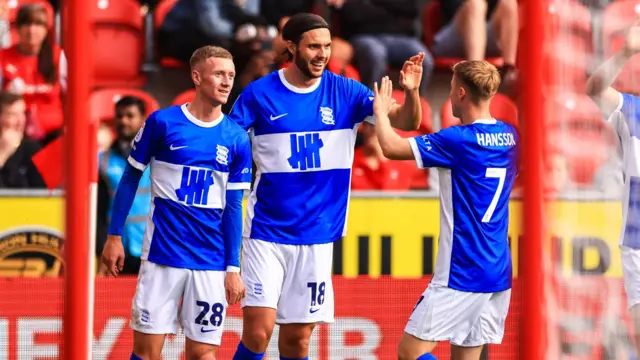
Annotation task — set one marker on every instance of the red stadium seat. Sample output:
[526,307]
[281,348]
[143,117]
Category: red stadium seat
[102,102]
[576,130]
[426,125]
[184,97]
[14,6]
[617,18]
[431,25]
[159,14]
[118,43]
[502,108]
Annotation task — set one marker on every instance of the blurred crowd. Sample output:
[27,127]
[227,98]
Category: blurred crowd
[371,38]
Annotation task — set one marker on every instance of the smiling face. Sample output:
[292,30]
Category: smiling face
[213,78]
[312,53]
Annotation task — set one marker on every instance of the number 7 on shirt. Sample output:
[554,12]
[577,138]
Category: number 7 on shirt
[500,174]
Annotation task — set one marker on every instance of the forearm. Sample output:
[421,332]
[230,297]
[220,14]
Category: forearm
[393,146]
[123,200]
[605,75]
[408,115]
[232,228]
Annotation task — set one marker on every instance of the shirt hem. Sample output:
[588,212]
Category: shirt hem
[294,241]
[189,266]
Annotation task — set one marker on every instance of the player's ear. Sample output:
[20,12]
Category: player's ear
[462,92]
[291,46]
[195,76]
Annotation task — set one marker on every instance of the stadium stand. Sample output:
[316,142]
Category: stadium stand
[431,24]
[118,46]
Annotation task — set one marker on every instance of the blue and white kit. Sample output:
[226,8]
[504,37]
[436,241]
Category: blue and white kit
[467,300]
[303,141]
[199,171]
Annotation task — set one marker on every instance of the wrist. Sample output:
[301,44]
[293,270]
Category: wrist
[233,269]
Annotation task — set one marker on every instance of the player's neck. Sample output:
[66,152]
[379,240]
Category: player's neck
[204,111]
[472,114]
[295,77]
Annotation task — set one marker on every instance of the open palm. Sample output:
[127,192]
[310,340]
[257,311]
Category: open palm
[411,73]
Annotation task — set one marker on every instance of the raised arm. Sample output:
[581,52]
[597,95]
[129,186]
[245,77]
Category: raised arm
[599,84]
[409,115]
[434,150]
[393,145]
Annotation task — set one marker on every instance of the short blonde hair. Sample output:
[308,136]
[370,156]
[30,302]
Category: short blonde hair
[479,77]
[206,52]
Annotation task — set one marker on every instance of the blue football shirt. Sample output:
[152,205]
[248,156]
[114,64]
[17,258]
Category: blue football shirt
[303,144]
[192,165]
[478,164]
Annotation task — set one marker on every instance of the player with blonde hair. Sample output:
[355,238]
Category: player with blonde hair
[200,164]
[467,301]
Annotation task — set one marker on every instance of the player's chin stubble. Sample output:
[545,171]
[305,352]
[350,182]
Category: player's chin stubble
[305,67]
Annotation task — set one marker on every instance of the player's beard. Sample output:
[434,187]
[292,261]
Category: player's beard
[305,66]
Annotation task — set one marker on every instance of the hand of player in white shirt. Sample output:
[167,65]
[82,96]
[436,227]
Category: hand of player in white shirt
[113,255]
[383,100]
[234,287]
[632,42]
[411,73]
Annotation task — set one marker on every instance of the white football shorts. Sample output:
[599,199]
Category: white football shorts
[293,279]
[157,308]
[631,274]
[463,318]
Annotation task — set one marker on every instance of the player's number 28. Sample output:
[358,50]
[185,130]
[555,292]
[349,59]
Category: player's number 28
[216,317]
[500,174]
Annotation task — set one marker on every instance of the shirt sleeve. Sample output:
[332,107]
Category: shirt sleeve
[629,107]
[243,110]
[436,150]
[362,98]
[146,143]
[240,168]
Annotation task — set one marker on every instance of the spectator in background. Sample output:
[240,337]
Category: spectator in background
[373,171]
[192,24]
[36,69]
[252,55]
[276,10]
[383,33]
[130,117]
[478,28]
[16,168]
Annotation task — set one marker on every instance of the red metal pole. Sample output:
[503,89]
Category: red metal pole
[530,268]
[78,308]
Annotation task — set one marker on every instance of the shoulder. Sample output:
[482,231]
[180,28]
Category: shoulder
[166,115]
[235,132]
[262,85]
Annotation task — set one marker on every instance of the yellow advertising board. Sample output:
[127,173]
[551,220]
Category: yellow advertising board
[583,234]
[31,236]
[394,236]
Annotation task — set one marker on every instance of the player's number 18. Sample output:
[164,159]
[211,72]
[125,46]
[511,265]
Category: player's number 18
[499,173]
